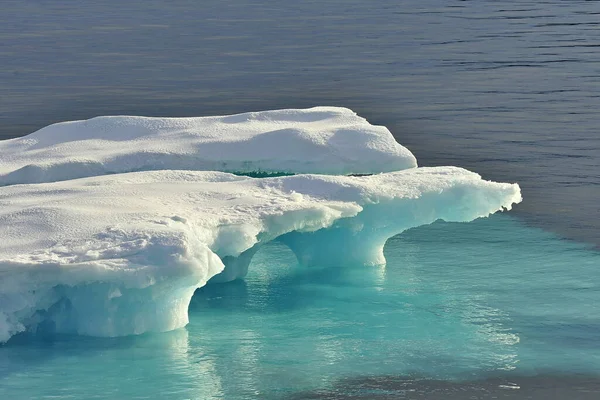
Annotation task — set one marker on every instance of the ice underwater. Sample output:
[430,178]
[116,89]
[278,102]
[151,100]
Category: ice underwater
[109,225]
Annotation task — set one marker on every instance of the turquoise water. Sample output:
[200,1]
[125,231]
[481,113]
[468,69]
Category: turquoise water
[457,302]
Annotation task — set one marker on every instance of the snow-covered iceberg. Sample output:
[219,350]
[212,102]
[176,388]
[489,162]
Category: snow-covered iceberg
[324,140]
[123,253]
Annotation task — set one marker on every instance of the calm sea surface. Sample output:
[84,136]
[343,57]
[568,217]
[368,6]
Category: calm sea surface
[495,309]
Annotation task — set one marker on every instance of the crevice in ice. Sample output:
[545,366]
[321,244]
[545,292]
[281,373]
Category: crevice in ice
[261,174]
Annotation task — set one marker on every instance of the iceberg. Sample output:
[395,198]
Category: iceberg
[324,140]
[122,253]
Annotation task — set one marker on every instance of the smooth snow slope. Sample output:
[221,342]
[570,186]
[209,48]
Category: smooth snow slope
[123,254]
[325,140]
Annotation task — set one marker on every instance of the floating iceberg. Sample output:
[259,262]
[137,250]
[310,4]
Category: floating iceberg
[324,140]
[123,254]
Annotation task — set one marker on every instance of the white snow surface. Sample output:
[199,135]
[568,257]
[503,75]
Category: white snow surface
[123,254]
[325,140]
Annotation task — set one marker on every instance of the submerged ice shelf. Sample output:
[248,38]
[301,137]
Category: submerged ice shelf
[123,253]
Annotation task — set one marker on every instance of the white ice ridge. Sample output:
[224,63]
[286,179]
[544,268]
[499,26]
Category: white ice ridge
[123,254]
[324,140]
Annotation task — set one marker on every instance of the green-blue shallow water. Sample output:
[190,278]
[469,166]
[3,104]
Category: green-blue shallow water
[456,302]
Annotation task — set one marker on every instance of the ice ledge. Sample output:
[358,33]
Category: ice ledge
[122,254]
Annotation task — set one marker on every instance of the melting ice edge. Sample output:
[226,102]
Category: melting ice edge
[109,225]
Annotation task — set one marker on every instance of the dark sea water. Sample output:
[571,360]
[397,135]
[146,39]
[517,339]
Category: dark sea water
[502,308]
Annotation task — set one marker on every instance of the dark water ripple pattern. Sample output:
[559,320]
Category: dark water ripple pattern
[510,89]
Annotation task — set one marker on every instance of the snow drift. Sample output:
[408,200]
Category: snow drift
[325,140]
[123,254]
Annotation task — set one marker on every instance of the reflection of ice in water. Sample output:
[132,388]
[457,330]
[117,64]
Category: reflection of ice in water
[194,363]
[484,332]
[172,357]
[378,276]
[247,355]
[147,366]
[289,326]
